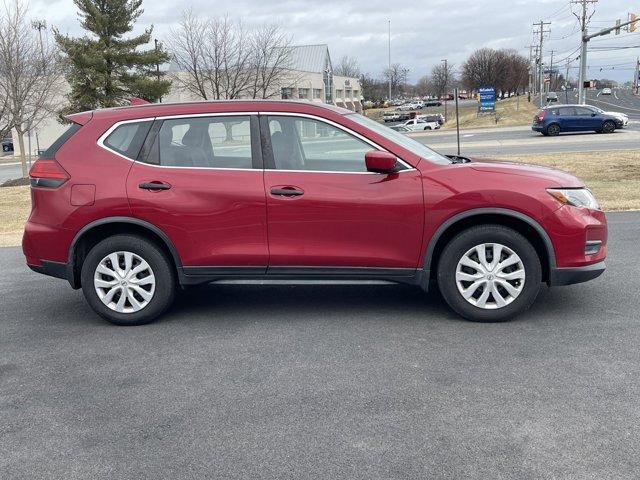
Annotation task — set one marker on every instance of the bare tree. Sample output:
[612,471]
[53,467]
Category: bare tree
[270,61]
[5,127]
[422,87]
[29,74]
[442,78]
[212,56]
[398,75]
[220,59]
[506,70]
[373,89]
[347,67]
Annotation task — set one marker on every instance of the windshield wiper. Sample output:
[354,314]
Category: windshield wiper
[457,159]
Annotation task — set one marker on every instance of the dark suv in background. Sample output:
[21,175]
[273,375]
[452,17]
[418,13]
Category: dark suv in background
[574,118]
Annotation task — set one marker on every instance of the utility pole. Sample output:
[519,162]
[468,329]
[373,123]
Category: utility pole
[531,74]
[534,81]
[40,25]
[542,32]
[389,51]
[446,81]
[586,37]
[566,82]
[636,78]
[551,74]
[583,50]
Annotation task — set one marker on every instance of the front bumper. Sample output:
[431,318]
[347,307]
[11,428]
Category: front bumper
[569,276]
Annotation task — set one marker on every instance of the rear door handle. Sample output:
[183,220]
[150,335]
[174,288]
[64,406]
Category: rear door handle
[287,191]
[155,185]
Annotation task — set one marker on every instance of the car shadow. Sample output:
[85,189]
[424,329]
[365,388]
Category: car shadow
[248,302]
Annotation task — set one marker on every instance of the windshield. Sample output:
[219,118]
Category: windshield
[400,139]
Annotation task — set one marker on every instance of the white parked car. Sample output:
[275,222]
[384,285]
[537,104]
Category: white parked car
[417,124]
[407,106]
[390,117]
[605,91]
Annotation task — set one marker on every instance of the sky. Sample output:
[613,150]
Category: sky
[423,32]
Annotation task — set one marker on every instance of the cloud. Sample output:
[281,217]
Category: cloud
[422,31]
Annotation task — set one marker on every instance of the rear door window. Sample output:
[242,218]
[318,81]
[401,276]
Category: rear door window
[203,142]
[566,111]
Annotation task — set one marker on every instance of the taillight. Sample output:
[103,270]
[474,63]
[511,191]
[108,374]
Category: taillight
[540,115]
[47,174]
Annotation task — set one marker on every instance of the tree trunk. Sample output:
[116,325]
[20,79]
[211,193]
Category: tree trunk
[23,157]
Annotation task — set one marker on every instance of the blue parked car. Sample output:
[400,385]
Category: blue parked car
[574,118]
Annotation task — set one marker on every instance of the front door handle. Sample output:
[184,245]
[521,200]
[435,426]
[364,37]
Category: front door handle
[287,191]
[155,185]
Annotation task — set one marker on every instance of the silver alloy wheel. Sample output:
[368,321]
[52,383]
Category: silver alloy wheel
[124,282]
[490,276]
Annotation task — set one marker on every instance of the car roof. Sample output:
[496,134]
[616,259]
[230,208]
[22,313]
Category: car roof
[560,105]
[215,106]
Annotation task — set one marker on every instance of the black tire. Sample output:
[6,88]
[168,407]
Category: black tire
[163,271]
[460,244]
[608,126]
[553,130]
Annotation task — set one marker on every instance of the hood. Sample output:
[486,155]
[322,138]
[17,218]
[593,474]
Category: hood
[554,177]
[616,114]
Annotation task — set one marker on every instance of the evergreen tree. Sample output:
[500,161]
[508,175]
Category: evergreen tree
[105,69]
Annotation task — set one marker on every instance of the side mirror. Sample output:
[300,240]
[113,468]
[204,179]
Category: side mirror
[594,114]
[380,162]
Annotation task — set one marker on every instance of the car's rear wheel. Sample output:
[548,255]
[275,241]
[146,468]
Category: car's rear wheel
[489,273]
[553,130]
[608,126]
[128,280]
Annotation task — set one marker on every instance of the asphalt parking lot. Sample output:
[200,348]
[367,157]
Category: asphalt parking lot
[353,382]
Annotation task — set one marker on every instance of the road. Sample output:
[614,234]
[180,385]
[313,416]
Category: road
[622,100]
[521,139]
[337,382]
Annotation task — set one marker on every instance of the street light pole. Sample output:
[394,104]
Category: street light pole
[389,65]
[446,82]
[155,41]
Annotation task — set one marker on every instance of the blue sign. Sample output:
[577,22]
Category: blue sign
[487,99]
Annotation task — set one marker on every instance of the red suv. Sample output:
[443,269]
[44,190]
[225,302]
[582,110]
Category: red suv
[132,203]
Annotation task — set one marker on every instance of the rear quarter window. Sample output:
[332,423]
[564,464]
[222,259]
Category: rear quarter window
[127,139]
[50,152]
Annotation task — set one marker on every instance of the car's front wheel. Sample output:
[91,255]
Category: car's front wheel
[489,273]
[608,127]
[128,280]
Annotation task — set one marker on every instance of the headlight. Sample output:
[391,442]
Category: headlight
[578,197]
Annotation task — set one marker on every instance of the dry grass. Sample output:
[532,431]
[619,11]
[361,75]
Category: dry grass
[613,176]
[511,111]
[15,205]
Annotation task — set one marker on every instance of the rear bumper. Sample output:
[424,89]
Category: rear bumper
[52,269]
[569,276]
